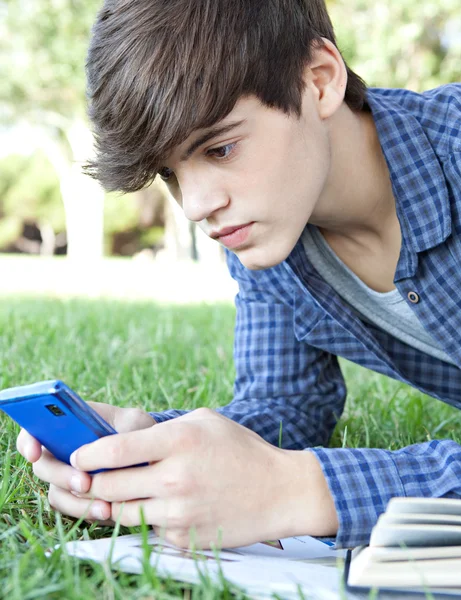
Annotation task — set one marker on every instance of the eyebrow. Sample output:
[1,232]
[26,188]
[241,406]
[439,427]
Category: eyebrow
[209,135]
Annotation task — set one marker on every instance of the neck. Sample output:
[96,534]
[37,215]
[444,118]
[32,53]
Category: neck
[357,202]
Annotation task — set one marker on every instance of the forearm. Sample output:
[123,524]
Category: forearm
[363,480]
[295,406]
[288,422]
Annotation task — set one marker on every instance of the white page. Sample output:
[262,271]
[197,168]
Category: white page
[260,569]
[415,553]
[448,506]
[297,548]
[410,518]
[416,535]
[294,548]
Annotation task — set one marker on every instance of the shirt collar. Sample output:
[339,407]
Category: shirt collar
[417,178]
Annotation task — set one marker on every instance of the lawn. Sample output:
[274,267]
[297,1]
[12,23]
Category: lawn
[154,357]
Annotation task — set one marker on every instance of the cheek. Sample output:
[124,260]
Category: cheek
[310,168]
[294,166]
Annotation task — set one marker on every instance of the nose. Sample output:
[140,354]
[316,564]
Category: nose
[201,198]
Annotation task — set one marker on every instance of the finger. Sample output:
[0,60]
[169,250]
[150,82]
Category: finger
[177,531]
[106,411]
[127,449]
[123,419]
[161,514]
[28,446]
[130,513]
[68,504]
[180,538]
[123,484]
[48,468]
[132,419]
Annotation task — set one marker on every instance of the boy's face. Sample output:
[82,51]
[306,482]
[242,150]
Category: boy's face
[254,185]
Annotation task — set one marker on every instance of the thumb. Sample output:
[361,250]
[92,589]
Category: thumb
[123,420]
[131,419]
[106,411]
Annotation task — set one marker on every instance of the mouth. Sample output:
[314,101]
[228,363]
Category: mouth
[232,237]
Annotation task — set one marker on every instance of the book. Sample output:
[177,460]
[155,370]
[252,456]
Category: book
[415,546]
[292,568]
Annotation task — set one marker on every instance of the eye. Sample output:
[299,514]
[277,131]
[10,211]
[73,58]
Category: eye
[166,173]
[222,152]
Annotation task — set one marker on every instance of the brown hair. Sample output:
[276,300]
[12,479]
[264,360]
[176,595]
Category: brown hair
[160,69]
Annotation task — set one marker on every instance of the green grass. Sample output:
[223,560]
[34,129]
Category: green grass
[154,357]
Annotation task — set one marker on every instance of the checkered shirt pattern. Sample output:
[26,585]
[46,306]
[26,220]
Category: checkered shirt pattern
[291,325]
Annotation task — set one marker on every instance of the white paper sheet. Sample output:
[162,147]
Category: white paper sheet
[260,569]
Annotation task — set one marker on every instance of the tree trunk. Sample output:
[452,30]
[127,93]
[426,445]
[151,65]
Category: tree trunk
[48,238]
[178,239]
[83,197]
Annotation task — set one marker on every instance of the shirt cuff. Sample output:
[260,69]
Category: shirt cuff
[166,415]
[361,481]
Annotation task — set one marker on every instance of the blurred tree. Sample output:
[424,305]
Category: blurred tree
[134,222]
[42,47]
[43,44]
[30,200]
[400,43]
[36,205]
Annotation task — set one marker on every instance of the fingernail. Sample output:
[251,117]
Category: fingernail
[73,459]
[97,512]
[28,450]
[76,483]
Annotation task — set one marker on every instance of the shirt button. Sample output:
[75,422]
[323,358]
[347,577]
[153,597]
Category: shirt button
[413,297]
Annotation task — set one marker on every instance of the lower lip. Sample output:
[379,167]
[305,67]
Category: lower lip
[237,237]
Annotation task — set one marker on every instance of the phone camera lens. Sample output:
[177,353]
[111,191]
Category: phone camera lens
[55,410]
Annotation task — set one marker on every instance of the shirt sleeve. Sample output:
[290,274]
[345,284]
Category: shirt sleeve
[363,480]
[166,415]
[285,390]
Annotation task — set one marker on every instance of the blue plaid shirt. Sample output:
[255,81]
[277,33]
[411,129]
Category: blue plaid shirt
[291,325]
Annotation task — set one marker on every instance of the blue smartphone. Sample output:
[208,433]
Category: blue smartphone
[55,415]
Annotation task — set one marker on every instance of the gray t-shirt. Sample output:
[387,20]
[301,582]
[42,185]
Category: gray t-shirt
[388,310]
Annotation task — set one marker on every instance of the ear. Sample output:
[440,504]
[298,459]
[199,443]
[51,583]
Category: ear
[326,77]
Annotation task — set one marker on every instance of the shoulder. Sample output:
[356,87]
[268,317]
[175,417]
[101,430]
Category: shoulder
[441,118]
[438,111]
[436,100]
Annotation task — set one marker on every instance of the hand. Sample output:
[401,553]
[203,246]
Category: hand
[65,481]
[208,473]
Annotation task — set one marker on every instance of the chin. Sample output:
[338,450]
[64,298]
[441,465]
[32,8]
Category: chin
[257,259]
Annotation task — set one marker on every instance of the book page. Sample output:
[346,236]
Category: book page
[279,566]
[416,535]
[409,519]
[448,506]
[415,553]
[364,571]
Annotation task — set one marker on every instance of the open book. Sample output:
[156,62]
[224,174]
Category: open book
[292,568]
[415,546]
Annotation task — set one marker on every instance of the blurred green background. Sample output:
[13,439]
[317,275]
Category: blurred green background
[48,207]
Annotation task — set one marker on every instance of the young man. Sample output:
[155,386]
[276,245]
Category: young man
[340,208]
